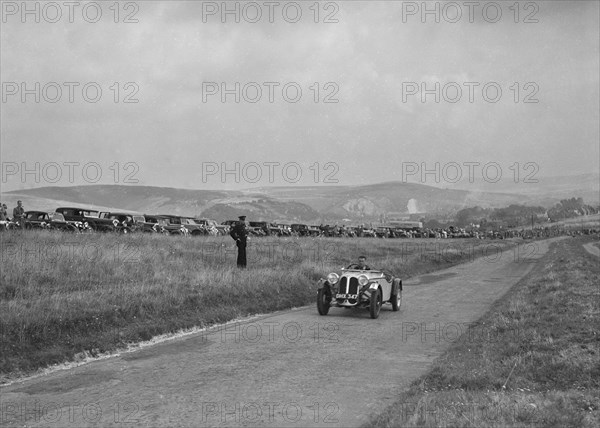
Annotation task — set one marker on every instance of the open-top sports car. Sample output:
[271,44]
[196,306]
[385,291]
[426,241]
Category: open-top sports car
[359,287]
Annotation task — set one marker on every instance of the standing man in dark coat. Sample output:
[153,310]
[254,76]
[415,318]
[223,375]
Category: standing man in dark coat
[3,213]
[19,214]
[240,234]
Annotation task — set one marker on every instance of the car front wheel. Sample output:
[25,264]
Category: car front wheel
[375,304]
[323,301]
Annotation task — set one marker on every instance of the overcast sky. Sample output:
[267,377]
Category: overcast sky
[374,58]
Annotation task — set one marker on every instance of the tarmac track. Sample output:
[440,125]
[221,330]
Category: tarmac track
[290,368]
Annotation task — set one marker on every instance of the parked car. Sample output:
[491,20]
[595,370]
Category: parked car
[48,220]
[176,225]
[276,230]
[88,218]
[259,228]
[194,227]
[212,227]
[329,231]
[8,225]
[382,232]
[359,288]
[153,224]
[124,222]
[300,229]
[314,231]
[369,232]
[284,229]
[397,232]
[348,231]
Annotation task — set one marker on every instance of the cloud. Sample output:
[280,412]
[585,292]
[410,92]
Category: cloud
[365,58]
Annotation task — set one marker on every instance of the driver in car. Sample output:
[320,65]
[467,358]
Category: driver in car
[362,263]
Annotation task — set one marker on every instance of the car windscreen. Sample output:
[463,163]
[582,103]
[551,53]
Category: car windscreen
[58,217]
[36,216]
[119,217]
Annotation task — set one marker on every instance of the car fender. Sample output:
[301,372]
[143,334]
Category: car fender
[372,287]
[389,288]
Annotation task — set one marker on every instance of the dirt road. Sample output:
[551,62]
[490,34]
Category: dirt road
[291,368]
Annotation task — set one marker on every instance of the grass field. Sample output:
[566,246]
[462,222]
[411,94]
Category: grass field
[541,369]
[62,295]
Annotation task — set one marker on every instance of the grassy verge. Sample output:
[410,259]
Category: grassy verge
[542,368]
[63,295]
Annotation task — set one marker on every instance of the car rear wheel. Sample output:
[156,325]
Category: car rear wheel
[323,301]
[375,304]
[396,297]
[396,300]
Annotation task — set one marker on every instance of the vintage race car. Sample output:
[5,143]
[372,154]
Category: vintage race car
[359,288]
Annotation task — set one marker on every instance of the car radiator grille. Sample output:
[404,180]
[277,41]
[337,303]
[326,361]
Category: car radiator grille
[348,287]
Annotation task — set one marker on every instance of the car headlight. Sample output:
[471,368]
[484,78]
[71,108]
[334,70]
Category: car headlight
[363,280]
[332,278]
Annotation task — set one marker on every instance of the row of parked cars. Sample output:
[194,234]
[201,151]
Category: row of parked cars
[297,229]
[88,220]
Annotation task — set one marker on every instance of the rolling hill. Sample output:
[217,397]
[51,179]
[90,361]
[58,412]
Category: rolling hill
[314,203]
[542,191]
[370,201]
